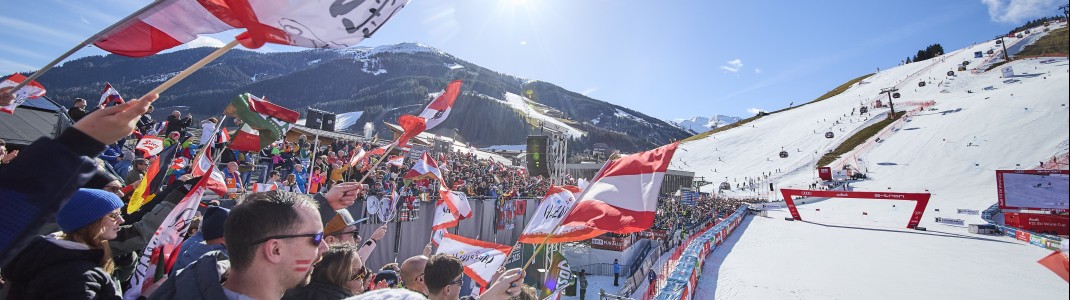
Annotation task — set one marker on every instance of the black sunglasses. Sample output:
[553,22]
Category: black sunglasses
[459,281]
[355,233]
[317,238]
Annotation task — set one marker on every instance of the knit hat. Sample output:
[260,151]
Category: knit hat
[86,206]
[212,223]
[340,221]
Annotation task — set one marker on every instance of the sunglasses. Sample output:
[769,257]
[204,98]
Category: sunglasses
[354,233]
[317,238]
[459,281]
[361,275]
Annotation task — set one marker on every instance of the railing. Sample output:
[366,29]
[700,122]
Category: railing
[679,280]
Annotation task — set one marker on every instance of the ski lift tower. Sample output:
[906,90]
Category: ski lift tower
[890,91]
[557,150]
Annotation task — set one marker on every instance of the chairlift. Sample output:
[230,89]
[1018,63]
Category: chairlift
[895,95]
[726,186]
[864,109]
[966,63]
[999,42]
[950,73]
[828,135]
[921,84]
[990,51]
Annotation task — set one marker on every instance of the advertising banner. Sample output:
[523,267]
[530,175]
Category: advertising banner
[951,221]
[825,173]
[973,212]
[1007,71]
[1022,235]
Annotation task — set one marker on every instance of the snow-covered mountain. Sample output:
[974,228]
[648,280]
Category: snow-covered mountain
[703,124]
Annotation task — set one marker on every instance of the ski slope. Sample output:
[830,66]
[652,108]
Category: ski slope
[519,103]
[961,129]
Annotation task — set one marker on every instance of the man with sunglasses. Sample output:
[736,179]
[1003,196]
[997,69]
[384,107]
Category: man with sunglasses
[273,239]
[343,229]
[444,274]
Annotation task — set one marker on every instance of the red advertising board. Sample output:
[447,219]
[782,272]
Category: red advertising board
[825,173]
[1033,189]
[1042,223]
[1022,236]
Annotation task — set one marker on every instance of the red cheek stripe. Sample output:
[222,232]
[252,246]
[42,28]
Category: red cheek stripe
[302,265]
[301,269]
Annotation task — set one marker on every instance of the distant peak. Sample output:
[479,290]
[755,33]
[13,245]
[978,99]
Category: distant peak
[407,47]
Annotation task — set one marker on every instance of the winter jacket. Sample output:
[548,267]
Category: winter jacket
[192,249]
[201,280]
[35,184]
[207,129]
[49,268]
[317,290]
[177,124]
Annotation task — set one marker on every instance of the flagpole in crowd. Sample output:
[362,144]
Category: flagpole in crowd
[539,249]
[86,42]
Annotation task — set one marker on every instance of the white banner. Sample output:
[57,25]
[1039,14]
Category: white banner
[951,221]
[973,212]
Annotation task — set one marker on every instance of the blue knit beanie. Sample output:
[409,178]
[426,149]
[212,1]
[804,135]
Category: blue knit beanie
[212,224]
[85,207]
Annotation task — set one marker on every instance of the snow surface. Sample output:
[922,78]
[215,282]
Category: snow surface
[703,124]
[623,114]
[519,103]
[345,120]
[521,147]
[980,123]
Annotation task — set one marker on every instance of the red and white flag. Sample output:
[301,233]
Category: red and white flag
[426,167]
[413,126]
[558,202]
[1057,262]
[398,160]
[264,187]
[438,110]
[309,23]
[481,259]
[110,96]
[168,237]
[358,157]
[379,150]
[149,145]
[456,201]
[247,139]
[623,196]
[202,163]
[31,90]
[444,217]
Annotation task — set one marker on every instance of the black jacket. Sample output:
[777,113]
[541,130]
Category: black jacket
[317,290]
[177,124]
[200,280]
[76,113]
[54,269]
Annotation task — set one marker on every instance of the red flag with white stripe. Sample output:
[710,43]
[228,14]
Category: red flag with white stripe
[202,163]
[438,110]
[30,91]
[264,187]
[444,217]
[167,24]
[426,167]
[481,259]
[456,201]
[224,135]
[413,126]
[361,155]
[109,96]
[558,202]
[398,160]
[623,196]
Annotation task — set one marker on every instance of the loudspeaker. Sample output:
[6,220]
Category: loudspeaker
[536,157]
[314,119]
[328,121]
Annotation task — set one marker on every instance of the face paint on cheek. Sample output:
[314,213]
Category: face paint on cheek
[302,265]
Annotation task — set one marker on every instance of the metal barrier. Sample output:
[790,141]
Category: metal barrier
[682,278]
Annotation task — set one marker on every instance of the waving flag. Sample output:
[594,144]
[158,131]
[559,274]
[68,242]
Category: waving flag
[1057,262]
[558,202]
[426,167]
[168,237]
[398,160]
[224,136]
[149,145]
[31,90]
[137,199]
[246,139]
[109,96]
[481,259]
[623,196]
[308,23]
[438,110]
[413,126]
[202,164]
[444,217]
[361,155]
[266,121]
[456,201]
[264,187]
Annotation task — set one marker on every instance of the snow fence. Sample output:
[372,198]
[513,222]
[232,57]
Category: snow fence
[680,284]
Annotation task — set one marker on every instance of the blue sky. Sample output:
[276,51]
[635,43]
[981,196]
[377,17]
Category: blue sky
[668,59]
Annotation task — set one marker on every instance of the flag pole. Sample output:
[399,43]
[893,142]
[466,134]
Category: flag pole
[193,68]
[539,249]
[86,42]
[379,161]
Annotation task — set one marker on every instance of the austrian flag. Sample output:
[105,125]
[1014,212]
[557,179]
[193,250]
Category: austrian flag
[623,196]
[426,167]
[481,259]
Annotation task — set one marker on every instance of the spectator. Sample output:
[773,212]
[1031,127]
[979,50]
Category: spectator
[77,112]
[340,274]
[76,264]
[208,130]
[443,279]
[146,125]
[209,238]
[616,272]
[138,170]
[64,162]
[412,274]
[176,123]
[273,240]
[385,279]
[6,157]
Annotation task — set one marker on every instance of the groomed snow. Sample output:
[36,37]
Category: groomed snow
[980,123]
[519,103]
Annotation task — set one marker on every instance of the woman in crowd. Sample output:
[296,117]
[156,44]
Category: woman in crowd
[76,264]
[207,129]
[338,275]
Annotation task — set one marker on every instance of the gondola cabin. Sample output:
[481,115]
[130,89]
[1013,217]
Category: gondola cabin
[783,154]
[828,135]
